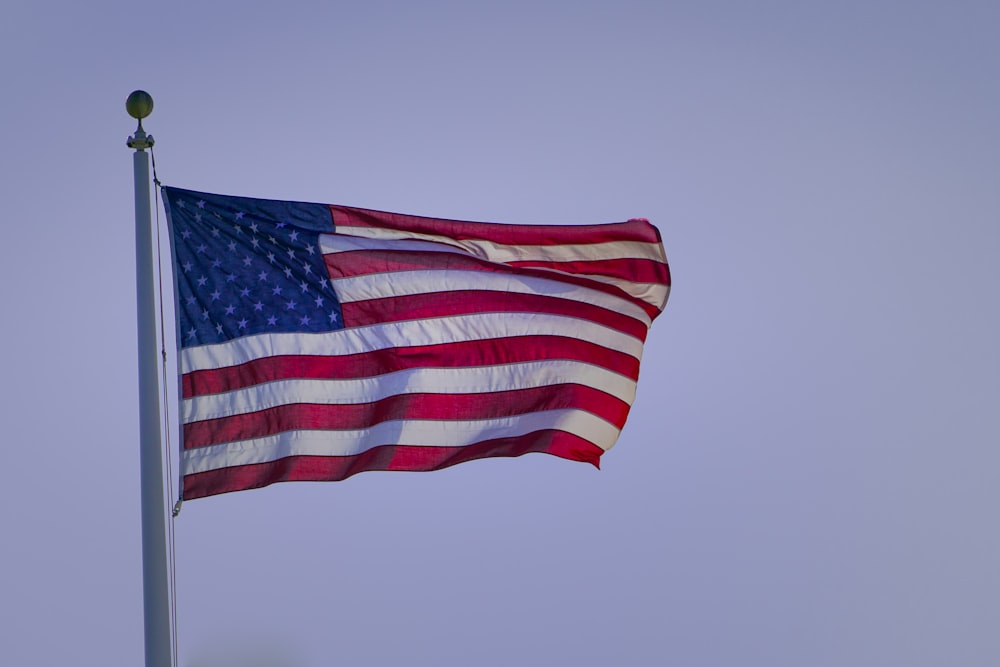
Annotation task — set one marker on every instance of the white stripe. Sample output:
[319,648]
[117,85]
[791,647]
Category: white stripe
[405,283]
[442,330]
[469,380]
[331,244]
[499,252]
[653,293]
[431,433]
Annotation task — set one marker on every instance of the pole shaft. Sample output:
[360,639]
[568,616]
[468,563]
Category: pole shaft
[155,589]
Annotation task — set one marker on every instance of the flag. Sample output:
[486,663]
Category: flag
[319,341]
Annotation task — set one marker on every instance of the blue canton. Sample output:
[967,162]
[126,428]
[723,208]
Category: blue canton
[249,266]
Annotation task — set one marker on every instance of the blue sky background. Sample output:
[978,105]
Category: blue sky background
[809,475]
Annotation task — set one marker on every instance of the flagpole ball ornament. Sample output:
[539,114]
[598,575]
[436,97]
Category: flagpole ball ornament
[139,105]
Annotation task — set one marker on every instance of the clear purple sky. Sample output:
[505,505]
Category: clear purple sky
[810,472]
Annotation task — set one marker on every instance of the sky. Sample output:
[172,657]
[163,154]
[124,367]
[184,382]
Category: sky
[809,473]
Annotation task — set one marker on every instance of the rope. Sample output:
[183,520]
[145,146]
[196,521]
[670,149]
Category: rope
[171,541]
[156,181]
[163,338]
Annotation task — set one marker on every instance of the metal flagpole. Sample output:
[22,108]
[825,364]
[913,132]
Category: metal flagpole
[155,588]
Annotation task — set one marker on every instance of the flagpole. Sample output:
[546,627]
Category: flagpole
[155,588]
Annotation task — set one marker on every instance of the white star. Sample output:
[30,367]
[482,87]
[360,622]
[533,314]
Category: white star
[294,236]
[277,290]
[319,302]
[247,261]
[201,203]
[239,215]
[191,332]
[239,230]
[187,267]
[204,314]
[243,323]
[253,227]
[202,248]
[231,278]
[218,328]
[291,305]
[258,306]
[291,254]
[230,309]
[262,276]
[271,321]
[181,204]
[311,249]
[281,225]
[216,295]
[202,281]
[272,239]
[197,217]
[191,300]
[333,316]
[270,257]
[305,320]
[288,272]
[232,246]
[245,292]
[307,268]
[215,232]
[304,286]
[216,263]
[324,282]
[255,243]
[186,234]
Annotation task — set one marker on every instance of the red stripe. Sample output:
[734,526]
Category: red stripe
[351,263]
[366,262]
[445,304]
[632,270]
[450,407]
[633,230]
[469,353]
[388,457]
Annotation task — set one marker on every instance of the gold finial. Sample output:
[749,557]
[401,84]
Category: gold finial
[139,104]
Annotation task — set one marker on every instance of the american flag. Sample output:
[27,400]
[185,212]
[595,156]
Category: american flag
[319,341]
